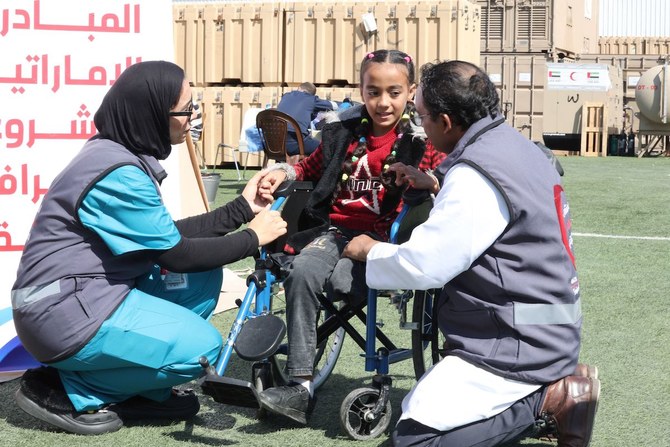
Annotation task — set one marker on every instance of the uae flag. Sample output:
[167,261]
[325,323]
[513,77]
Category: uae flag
[554,74]
[593,75]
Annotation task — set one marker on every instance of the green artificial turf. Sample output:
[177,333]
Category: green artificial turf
[621,220]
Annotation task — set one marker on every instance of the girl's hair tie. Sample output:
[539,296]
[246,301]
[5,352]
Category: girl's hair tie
[370,55]
[400,135]
[364,121]
[361,140]
[408,59]
[386,167]
[354,158]
[393,153]
[405,117]
[344,177]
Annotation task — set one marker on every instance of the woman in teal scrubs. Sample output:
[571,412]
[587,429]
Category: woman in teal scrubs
[112,293]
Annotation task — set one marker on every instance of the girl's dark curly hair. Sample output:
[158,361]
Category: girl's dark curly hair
[365,125]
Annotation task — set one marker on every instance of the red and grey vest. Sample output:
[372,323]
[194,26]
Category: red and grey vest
[68,281]
[516,311]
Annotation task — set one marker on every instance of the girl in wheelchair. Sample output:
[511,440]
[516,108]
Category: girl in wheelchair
[355,193]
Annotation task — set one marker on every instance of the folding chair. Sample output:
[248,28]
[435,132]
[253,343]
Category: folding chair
[249,141]
[273,126]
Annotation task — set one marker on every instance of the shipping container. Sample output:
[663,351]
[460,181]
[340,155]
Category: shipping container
[224,109]
[569,87]
[337,94]
[188,34]
[325,42]
[520,82]
[278,43]
[634,45]
[568,27]
[229,43]
[243,43]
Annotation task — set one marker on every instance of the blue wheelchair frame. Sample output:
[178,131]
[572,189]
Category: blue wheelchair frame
[370,406]
[259,296]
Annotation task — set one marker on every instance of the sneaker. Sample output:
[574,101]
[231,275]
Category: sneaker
[293,401]
[41,395]
[181,405]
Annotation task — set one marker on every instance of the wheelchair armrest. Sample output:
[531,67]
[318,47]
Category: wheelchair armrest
[414,197]
[295,194]
[290,186]
[415,211]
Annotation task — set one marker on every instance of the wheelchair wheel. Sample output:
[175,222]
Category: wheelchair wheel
[356,414]
[261,377]
[327,353]
[427,341]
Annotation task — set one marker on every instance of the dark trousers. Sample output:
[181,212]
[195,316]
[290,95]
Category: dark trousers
[317,271]
[494,431]
[309,143]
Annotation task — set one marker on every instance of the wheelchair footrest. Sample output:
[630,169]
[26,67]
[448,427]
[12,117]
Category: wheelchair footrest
[226,390]
[260,337]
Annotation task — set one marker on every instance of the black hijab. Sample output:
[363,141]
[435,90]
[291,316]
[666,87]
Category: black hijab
[134,112]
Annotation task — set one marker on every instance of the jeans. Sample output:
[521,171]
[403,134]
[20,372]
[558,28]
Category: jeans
[309,277]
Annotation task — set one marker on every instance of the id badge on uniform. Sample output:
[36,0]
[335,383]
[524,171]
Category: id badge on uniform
[175,281]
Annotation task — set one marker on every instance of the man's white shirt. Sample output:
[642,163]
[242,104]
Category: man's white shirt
[468,216]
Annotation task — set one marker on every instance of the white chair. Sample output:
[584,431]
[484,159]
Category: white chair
[249,141]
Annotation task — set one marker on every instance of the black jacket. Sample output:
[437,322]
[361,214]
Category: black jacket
[336,136]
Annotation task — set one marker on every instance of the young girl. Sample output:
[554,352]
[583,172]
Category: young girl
[356,193]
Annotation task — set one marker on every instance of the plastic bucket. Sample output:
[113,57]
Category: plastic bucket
[211,182]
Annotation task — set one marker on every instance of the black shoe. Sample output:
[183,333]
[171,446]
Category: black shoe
[182,405]
[41,395]
[293,401]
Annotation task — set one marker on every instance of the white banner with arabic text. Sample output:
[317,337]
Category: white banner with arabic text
[59,58]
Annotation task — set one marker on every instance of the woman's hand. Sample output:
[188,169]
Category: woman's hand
[268,226]
[416,178]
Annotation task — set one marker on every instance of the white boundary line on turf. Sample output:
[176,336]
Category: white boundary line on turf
[614,236]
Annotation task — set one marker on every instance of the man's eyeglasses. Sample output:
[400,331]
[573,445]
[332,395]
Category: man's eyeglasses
[418,119]
[188,112]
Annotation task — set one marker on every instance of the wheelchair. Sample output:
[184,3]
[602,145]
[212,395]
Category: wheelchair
[258,332]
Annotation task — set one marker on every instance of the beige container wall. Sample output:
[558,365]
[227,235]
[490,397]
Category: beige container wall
[634,45]
[325,43]
[189,40]
[338,94]
[242,43]
[520,81]
[533,26]
[224,111]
